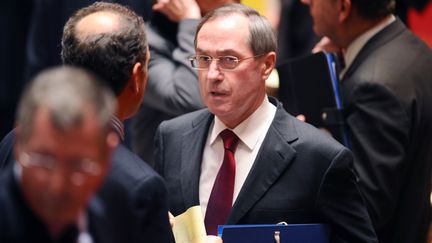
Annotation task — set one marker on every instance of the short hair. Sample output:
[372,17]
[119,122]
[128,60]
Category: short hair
[262,38]
[66,92]
[110,55]
[372,9]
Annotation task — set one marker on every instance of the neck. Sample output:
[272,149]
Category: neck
[56,229]
[355,27]
[121,115]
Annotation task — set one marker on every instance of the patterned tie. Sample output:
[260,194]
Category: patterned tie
[221,197]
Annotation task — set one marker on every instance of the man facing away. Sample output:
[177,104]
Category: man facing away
[386,88]
[110,40]
[244,160]
[63,148]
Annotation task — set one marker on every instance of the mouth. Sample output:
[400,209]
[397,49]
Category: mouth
[217,94]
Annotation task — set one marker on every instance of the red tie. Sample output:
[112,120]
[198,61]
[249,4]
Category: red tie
[221,197]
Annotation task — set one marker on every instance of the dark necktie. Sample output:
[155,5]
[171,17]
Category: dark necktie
[221,197]
[69,235]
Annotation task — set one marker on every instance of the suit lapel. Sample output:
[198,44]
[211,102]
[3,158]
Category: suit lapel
[382,37]
[273,159]
[192,148]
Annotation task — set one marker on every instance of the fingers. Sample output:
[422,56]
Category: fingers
[325,44]
[177,10]
[301,117]
[171,219]
[213,239]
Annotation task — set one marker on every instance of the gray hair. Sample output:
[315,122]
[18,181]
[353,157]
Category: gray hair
[66,92]
[261,39]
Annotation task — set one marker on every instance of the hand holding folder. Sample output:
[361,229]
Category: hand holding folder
[188,227]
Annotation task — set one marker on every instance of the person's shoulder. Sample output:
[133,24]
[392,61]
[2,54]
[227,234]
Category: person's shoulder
[317,139]
[6,149]
[129,169]
[305,138]
[186,121]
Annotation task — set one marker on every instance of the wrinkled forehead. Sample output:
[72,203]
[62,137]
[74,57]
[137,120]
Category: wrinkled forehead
[224,34]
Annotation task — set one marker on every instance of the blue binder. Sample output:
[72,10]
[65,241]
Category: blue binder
[265,233]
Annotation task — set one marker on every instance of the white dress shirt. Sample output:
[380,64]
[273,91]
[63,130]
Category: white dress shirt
[251,132]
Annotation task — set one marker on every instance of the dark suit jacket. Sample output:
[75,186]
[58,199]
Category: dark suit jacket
[300,175]
[172,87]
[18,224]
[388,94]
[132,192]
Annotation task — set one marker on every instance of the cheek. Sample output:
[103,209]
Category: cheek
[202,85]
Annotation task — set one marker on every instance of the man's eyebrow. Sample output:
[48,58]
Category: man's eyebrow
[219,52]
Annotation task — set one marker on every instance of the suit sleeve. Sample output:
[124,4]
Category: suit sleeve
[173,85]
[152,204]
[6,150]
[341,204]
[379,130]
[158,154]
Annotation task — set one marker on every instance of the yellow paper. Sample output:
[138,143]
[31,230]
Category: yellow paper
[189,226]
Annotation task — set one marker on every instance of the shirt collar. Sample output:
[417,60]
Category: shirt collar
[355,46]
[118,127]
[249,130]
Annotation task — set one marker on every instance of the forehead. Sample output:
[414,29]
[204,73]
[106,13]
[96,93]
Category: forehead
[45,136]
[224,34]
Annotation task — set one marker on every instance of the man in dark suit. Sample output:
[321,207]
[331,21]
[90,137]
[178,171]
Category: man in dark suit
[282,168]
[173,85]
[110,40]
[387,92]
[62,151]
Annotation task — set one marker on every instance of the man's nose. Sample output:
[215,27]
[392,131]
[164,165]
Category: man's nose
[58,181]
[214,72]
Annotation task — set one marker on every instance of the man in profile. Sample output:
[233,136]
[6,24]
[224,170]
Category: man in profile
[386,91]
[110,40]
[63,148]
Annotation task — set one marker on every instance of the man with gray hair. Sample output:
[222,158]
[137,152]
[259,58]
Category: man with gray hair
[63,148]
[110,40]
[245,160]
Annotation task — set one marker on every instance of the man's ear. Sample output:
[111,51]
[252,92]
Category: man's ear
[138,77]
[269,64]
[344,10]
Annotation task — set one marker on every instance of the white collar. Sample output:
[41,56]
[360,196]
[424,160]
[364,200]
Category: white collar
[248,130]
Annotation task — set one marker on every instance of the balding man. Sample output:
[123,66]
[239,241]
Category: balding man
[110,40]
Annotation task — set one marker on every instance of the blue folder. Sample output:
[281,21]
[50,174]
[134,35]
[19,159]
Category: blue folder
[309,85]
[265,233]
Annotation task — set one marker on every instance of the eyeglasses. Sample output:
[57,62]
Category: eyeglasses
[79,170]
[202,62]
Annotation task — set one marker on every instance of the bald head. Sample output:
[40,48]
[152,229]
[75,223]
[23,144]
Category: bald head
[98,23]
[108,39]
